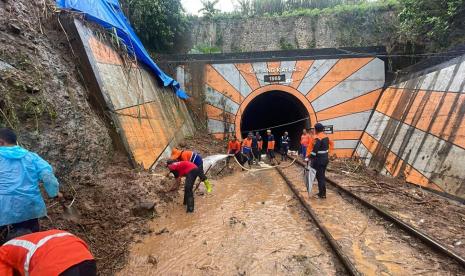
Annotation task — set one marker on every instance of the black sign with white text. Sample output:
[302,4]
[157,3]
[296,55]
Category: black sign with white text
[329,130]
[274,78]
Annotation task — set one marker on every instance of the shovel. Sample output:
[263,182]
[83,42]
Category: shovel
[70,213]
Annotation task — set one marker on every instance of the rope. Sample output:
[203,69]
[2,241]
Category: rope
[286,124]
[263,169]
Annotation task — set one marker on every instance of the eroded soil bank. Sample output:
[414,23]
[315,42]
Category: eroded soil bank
[250,225]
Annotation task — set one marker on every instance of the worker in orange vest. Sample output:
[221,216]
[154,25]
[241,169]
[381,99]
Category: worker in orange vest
[318,155]
[194,157]
[247,148]
[234,146]
[304,141]
[47,253]
[270,147]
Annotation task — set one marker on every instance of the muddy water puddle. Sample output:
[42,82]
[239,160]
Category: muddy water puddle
[375,246]
[250,225]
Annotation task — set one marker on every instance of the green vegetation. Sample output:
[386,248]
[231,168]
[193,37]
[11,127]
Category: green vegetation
[209,9]
[285,45]
[439,23]
[432,24]
[205,49]
[160,24]
[280,7]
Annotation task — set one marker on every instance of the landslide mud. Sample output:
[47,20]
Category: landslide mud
[375,246]
[437,216]
[250,225]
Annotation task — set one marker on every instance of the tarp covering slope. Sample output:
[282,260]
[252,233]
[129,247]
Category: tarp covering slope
[109,15]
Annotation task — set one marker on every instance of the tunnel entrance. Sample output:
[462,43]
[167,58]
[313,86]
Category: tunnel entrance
[272,109]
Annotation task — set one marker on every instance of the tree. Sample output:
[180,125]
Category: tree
[160,24]
[209,9]
[244,6]
[433,21]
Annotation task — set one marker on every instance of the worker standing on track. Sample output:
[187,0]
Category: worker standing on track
[304,141]
[257,145]
[194,157]
[318,155]
[285,140]
[270,147]
[21,202]
[247,148]
[191,172]
[52,252]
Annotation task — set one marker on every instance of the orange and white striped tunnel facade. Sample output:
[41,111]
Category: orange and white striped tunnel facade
[341,92]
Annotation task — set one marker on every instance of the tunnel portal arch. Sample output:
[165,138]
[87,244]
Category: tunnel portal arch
[274,105]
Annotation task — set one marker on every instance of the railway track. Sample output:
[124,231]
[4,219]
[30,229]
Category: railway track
[369,240]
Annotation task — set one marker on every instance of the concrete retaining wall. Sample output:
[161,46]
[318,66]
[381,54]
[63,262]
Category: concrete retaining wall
[335,90]
[418,130]
[148,117]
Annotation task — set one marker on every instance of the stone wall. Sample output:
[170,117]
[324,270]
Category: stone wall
[295,32]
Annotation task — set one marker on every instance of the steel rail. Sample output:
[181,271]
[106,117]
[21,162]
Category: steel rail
[427,239]
[348,265]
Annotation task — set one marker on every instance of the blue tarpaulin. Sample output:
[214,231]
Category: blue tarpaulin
[109,15]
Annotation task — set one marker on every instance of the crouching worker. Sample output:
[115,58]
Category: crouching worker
[190,171]
[50,253]
[194,157]
[21,202]
[234,147]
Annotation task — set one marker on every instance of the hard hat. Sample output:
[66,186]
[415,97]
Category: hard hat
[319,127]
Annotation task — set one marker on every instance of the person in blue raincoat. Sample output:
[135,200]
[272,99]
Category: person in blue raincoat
[21,202]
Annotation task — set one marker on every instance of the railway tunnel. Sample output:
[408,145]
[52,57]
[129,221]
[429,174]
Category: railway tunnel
[279,111]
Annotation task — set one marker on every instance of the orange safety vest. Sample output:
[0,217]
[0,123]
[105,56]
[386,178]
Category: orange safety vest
[43,253]
[270,145]
[247,143]
[319,136]
[234,145]
[182,155]
[305,139]
[260,144]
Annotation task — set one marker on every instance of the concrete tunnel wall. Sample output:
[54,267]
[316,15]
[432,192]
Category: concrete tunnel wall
[418,129]
[150,119]
[338,91]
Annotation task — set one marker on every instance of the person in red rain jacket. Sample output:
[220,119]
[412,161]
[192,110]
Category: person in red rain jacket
[191,172]
[46,253]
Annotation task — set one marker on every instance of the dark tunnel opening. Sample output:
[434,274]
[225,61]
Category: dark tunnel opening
[275,108]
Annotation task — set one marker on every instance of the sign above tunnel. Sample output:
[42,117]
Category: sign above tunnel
[274,78]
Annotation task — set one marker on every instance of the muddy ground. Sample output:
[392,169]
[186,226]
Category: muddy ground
[250,225]
[116,205]
[436,215]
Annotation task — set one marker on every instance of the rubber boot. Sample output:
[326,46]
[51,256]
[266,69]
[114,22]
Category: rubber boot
[208,185]
[184,202]
[190,205]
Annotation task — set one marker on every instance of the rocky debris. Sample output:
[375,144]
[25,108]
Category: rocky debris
[14,28]
[144,209]
[5,66]
[152,260]
[107,221]
[162,231]
[234,220]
